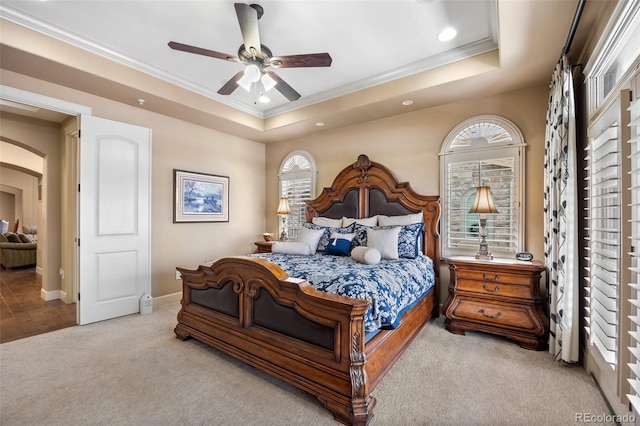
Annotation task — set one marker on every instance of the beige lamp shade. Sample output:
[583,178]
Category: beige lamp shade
[483,202]
[283,208]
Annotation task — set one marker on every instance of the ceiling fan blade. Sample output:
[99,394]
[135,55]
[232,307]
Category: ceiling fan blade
[200,51]
[282,87]
[248,20]
[231,85]
[310,60]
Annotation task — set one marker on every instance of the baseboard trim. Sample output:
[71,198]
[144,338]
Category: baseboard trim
[49,295]
[167,299]
[39,270]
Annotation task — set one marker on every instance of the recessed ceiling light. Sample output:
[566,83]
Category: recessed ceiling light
[447,34]
[320,124]
[407,102]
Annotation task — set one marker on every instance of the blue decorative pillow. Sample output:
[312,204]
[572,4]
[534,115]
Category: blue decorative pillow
[409,241]
[324,240]
[339,244]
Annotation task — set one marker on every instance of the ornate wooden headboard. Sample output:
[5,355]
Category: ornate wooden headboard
[366,188]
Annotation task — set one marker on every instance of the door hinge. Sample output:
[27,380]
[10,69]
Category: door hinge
[78,296]
[630,95]
[79,133]
[78,187]
[78,242]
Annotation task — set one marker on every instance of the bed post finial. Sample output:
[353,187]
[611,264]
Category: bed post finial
[363,164]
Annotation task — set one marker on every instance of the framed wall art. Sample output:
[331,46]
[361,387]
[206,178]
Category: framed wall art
[200,197]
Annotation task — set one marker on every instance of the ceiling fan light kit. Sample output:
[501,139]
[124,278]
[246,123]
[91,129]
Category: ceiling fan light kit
[257,58]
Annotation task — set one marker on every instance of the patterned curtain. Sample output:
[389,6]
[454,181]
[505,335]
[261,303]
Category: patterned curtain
[560,221]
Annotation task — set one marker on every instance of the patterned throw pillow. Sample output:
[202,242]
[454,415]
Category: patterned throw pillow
[409,241]
[322,245]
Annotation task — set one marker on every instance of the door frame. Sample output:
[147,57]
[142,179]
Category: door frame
[29,98]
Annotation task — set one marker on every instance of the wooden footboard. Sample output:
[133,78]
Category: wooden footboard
[250,309]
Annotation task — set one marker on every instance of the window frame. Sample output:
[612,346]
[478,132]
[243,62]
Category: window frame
[479,151]
[311,174]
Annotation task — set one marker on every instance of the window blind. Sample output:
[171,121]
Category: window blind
[297,183]
[634,264]
[298,192]
[604,218]
[463,227]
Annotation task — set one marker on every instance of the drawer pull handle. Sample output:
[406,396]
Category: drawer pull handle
[498,315]
[486,288]
[486,277]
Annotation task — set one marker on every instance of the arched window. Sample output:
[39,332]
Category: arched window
[298,184]
[484,150]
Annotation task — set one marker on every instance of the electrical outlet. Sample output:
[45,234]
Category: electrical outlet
[178,276]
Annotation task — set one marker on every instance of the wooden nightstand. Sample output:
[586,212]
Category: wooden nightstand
[499,296]
[264,246]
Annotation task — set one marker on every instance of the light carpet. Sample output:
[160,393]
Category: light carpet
[133,371]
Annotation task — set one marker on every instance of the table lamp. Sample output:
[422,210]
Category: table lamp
[482,205]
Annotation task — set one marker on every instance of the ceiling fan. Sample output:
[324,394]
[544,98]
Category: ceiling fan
[257,57]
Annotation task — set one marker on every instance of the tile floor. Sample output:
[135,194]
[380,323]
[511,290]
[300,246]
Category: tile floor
[23,313]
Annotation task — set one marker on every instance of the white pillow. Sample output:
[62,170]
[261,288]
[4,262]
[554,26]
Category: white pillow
[366,255]
[291,247]
[367,221]
[327,221]
[310,237]
[349,237]
[406,219]
[385,241]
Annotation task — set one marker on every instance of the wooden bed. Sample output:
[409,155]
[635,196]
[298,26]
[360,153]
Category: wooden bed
[250,309]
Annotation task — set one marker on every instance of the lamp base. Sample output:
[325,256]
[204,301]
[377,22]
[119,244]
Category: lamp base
[283,233]
[483,250]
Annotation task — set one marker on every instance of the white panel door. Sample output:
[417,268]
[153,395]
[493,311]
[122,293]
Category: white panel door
[115,207]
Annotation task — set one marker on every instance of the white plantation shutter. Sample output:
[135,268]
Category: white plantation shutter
[486,150]
[611,75]
[463,227]
[297,184]
[604,201]
[608,245]
[634,266]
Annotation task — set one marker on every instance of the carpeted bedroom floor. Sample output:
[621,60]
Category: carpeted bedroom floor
[133,371]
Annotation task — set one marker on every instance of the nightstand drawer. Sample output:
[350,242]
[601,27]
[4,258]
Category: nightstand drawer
[513,316]
[492,288]
[494,277]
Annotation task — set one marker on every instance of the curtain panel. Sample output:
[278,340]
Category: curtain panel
[560,216]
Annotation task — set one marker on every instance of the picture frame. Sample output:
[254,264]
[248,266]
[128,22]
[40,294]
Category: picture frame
[200,197]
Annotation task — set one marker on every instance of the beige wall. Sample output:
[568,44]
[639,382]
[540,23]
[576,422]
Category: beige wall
[409,145]
[181,145]
[27,211]
[42,138]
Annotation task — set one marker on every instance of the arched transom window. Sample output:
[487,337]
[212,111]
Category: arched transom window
[484,150]
[298,184]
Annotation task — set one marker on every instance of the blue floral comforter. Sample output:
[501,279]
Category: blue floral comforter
[392,286]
